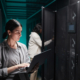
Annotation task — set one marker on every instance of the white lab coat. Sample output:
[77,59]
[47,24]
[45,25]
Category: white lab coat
[35,44]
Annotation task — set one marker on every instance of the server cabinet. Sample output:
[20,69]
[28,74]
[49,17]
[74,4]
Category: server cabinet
[68,43]
[74,38]
[72,32]
[67,47]
[48,31]
[61,44]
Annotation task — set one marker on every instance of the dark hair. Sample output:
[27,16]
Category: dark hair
[11,25]
[37,28]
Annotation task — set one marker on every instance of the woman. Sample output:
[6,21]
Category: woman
[35,45]
[13,54]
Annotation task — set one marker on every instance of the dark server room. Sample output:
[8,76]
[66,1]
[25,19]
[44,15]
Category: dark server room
[39,39]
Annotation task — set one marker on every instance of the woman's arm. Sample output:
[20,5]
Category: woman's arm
[38,40]
[13,68]
[5,71]
[47,42]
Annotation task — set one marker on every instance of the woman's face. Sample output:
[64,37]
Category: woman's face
[15,34]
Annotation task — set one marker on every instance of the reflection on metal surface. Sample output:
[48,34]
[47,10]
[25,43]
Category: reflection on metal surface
[72,53]
[78,1]
[73,65]
[74,15]
[73,42]
[72,57]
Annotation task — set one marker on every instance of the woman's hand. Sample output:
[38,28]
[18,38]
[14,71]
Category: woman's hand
[23,65]
[53,38]
[13,68]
